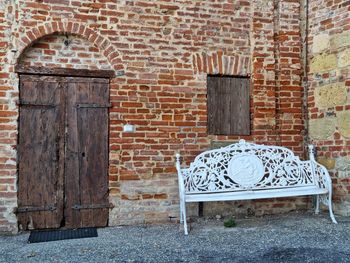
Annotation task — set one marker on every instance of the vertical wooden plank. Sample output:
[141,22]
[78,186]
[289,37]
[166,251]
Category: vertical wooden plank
[72,180]
[210,104]
[241,106]
[84,142]
[215,105]
[218,110]
[61,152]
[235,104]
[225,93]
[38,152]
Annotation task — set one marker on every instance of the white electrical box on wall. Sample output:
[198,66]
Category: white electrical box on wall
[128,128]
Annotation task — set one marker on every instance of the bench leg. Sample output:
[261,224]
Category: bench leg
[184,218]
[181,214]
[331,209]
[317,210]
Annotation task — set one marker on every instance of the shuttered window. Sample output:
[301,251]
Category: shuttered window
[228,105]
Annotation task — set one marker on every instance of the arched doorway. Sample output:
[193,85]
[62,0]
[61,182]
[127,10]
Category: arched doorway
[63,148]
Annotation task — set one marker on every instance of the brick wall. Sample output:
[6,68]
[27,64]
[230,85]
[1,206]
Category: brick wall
[166,49]
[8,122]
[328,96]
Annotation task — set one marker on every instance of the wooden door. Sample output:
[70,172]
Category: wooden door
[40,151]
[63,152]
[87,153]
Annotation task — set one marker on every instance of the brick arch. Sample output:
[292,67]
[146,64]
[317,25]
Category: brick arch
[74,28]
[219,63]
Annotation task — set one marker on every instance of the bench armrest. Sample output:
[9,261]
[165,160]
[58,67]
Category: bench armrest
[321,175]
[180,176]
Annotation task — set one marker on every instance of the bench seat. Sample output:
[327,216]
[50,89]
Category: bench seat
[255,194]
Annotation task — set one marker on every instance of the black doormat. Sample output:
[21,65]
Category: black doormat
[52,235]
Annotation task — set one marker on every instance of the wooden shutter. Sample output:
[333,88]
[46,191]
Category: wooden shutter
[228,105]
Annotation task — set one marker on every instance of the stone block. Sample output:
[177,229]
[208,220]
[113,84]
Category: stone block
[343,163]
[329,163]
[219,144]
[323,62]
[340,40]
[344,123]
[330,95]
[344,58]
[343,166]
[342,208]
[320,129]
[320,43]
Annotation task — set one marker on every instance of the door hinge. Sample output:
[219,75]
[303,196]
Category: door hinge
[93,105]
[93,206]
[25,209]
[31,104]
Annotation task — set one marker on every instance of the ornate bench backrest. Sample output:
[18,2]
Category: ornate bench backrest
[243,166]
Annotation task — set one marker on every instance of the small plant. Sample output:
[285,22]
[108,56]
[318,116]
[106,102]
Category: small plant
[230,223]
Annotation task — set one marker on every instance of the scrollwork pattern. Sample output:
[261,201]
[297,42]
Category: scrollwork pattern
[321,178]
[209,171]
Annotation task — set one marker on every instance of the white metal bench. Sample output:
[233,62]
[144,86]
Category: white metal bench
[245,171]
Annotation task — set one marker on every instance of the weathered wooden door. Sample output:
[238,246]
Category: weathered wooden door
[86,157]
[63,152]
[41,137]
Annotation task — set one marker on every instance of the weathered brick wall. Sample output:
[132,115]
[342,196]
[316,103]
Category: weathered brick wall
[328,96]
[166,49]
[8,121]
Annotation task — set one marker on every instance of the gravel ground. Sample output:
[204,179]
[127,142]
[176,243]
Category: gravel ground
[295,237]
